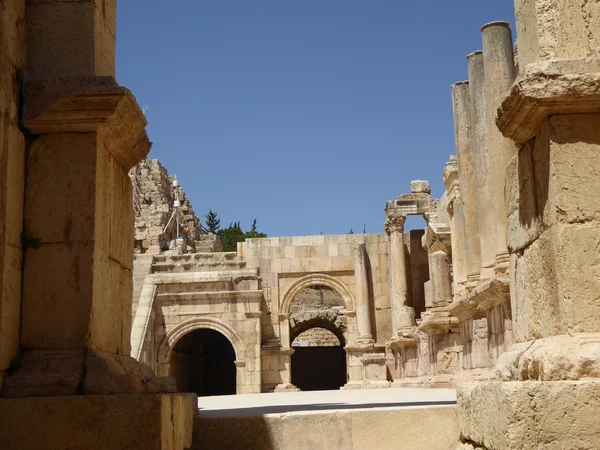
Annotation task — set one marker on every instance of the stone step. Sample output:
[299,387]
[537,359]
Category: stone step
[379,419]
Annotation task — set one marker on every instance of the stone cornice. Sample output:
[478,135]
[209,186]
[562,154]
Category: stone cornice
[88,105]
[549,88]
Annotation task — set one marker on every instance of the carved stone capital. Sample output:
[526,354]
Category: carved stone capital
[88,105]
[549,88]
[394,223]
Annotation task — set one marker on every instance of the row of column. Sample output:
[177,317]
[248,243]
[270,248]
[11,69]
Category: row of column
[483,154]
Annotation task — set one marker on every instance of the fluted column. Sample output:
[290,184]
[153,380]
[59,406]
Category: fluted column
[499,73]
[465,154]
[403,315]
[363,312]
[458,238]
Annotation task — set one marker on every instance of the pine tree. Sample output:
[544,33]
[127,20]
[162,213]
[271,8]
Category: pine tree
[253,229]
[212,222]
[351,231]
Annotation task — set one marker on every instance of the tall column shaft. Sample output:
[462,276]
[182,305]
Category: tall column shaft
[499,74]
[361,277]
[403,315]
[465,154]
[439,270]
[457,225]
[487,254]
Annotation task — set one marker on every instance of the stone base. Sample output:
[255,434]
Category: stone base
[366,384]
[98,422]
[531,414]
[286,387]
[49,373]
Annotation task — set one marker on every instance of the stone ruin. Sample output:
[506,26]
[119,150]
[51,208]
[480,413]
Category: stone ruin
[499,295]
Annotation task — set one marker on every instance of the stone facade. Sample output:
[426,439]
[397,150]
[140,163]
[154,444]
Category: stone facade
[499,294]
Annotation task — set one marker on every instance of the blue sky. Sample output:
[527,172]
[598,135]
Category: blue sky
[307,115]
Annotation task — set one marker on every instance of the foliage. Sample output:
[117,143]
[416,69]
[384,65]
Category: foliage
[233,234]
[212,222]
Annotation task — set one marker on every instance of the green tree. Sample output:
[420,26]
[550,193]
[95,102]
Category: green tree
[253,233]
[230,236]
[212,222]
[351,231]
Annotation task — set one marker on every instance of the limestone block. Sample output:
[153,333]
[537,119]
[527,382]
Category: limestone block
[556,29]
[12,34]
[518,415]
[60,41]
[98,422]
[420,187]
[41,373]
[10,308]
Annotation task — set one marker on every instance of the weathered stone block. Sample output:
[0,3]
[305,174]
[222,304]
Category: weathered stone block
[521,415]
[98,422]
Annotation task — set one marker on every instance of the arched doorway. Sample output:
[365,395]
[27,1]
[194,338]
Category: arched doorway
[203,361]
[318,323]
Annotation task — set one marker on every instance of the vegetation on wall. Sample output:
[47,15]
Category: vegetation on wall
[231,235]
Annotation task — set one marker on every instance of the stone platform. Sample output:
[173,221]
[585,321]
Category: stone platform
[348,420]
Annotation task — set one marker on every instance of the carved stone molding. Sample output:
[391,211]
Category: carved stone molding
[394,223]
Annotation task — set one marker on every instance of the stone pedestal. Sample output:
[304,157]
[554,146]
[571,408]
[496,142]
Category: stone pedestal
[98,422]
[366,366]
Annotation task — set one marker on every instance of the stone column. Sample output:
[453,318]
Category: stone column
[361,279]
[439,270]
[457,223]
[552,197]
[468,180]
[487,258]
[403,315]
[84,133]
[499,73]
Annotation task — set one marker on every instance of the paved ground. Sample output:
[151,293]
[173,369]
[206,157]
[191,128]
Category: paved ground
[261,404]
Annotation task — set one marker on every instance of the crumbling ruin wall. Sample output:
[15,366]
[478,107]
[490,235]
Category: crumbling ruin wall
[153,198]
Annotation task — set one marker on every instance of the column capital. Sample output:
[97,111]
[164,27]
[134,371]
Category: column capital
[549,88]
[394,223]
[88,105]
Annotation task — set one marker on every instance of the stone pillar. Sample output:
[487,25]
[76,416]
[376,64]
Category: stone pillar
[439,270]
[84,134]
[468,179]
[487,258]
[553,227]
[457,224]
[363,311]
[403,315]
[499,73]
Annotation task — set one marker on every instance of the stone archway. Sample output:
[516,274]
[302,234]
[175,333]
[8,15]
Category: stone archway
[187,327]
[310,280]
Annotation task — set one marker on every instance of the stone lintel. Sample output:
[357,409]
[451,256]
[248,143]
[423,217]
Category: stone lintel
[359,348]
[549,88]
[487,294]
[88,105]
[276,351]
[437,322]
[400,342]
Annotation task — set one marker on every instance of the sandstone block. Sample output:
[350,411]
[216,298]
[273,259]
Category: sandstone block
[98,422]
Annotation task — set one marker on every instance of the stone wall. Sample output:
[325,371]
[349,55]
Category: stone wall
[154,196]
[12,178]
[316,337]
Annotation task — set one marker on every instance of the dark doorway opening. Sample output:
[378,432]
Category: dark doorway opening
[318,368]
[203,361]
